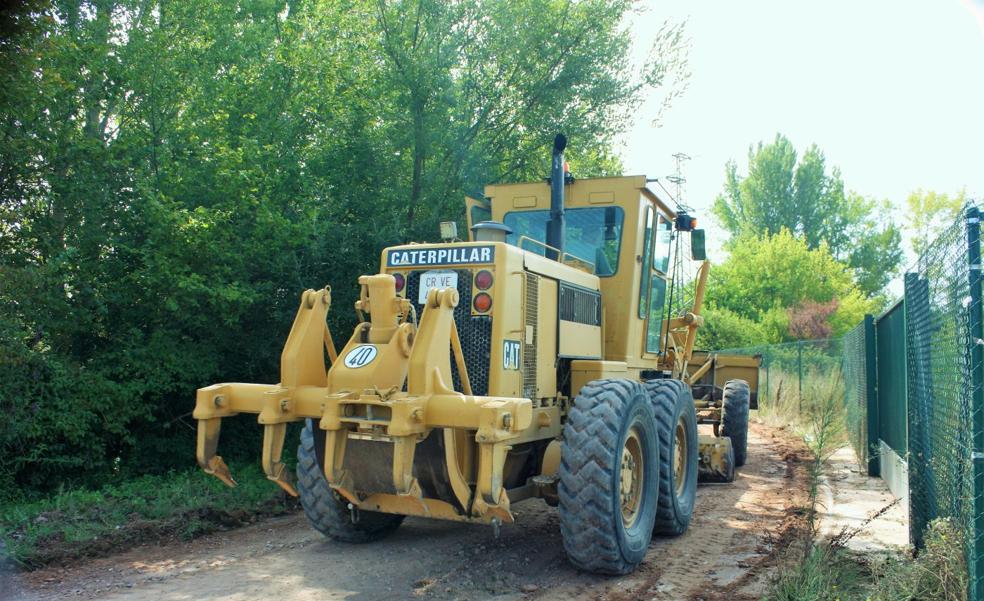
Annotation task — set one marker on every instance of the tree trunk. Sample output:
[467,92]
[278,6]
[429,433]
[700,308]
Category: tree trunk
[419,151]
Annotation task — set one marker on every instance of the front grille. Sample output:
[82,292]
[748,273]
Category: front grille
[580,305]
[529,342]
[475,332]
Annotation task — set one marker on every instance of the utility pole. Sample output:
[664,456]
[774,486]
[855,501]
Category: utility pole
[677,179]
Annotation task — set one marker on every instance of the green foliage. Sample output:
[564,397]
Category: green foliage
[804,197]
[175,174]
[185,504]
[929,213]
[723,328]
[766,275]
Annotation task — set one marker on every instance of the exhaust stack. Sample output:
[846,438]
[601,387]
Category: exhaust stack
[555,227]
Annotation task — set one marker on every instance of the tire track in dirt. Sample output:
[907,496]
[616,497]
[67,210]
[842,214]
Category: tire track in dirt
[737,535]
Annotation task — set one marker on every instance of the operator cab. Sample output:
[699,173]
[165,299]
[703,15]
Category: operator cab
[615,228]
[593,235]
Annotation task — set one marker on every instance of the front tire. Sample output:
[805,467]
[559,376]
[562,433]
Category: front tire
[609,477]
[328,512]
[734,417]
[676,417]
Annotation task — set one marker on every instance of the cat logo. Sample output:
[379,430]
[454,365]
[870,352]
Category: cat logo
[510,354]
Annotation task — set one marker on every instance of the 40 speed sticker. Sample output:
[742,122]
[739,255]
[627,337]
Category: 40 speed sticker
[360,356]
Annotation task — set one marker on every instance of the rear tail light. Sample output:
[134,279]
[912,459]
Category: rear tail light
[483,279]
[401,281]
[482,302]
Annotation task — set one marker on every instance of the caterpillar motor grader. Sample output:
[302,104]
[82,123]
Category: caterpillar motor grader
[541,358]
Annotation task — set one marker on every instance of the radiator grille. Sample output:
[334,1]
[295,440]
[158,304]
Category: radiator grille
[530,342]
[579,305]
[475,332]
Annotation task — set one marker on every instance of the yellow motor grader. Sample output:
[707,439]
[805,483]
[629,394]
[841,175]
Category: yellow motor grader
[541,358]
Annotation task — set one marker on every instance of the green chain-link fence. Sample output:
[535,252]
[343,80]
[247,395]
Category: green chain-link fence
[789,367]
[792,372]
[913,384]
[943,360]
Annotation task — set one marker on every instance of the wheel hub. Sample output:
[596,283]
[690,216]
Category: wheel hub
[680,457]
[631,478]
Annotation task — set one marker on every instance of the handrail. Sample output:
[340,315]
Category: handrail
[562,253]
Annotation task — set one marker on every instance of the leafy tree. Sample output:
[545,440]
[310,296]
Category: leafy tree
[766,275]
[805,197]
[174,174]
[929,213]
[725,329]
[481,87]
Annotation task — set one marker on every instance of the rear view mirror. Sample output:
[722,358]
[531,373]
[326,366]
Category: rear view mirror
[698,252]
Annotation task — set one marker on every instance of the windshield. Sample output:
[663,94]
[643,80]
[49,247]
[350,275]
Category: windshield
[592,234]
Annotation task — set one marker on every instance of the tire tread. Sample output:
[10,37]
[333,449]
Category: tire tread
[664,395]
[591,443]
[734,417]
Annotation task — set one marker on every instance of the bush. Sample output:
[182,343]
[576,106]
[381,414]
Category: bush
[723,328]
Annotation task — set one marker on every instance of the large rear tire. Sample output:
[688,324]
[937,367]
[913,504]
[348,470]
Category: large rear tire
[734,418]
[676,418]
[326,510]
[609,477]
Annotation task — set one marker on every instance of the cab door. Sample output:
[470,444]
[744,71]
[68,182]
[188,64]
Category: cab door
[654,278]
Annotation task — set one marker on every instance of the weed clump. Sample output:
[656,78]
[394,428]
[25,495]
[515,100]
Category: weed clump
[826,574]
[938,572]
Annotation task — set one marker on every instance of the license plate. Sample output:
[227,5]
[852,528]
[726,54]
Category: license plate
[436,279]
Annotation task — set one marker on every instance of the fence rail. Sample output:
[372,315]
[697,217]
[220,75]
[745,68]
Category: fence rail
[913,388]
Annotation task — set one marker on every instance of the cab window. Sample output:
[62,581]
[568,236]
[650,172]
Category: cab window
[592,234]
[479,214]
[661,254]
[647,245]
[654,327]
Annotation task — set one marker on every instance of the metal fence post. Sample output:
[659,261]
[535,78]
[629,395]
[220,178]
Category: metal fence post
[768,387]
[871,396]
[975,565]
[799,365]
[919,405]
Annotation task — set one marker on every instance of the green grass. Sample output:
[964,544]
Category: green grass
[825,574]
[78,523]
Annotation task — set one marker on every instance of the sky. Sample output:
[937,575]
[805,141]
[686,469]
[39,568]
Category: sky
[891,92]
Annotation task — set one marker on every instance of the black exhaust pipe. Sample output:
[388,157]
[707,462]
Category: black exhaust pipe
[555,227]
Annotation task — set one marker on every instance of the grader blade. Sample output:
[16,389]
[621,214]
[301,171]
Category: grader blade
[717,459]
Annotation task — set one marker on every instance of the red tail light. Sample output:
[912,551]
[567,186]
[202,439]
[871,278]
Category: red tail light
[400,281]
[483,280]
[482,302]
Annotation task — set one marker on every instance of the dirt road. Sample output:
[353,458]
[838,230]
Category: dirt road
[734,540]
